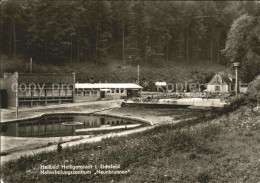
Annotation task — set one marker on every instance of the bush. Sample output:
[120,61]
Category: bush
[239,102]
[234,105]
[203,178]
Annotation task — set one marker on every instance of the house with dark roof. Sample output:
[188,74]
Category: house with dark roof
[220,83]
[33,89]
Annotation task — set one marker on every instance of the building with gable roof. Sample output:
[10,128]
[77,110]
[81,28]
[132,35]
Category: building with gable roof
[220,83]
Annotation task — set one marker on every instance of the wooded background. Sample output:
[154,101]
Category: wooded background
[136,32]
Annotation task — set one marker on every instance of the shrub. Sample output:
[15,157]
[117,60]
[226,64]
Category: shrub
[237,103]
[203,177]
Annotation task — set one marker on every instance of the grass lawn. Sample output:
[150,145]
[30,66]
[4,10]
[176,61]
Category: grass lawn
[224,149]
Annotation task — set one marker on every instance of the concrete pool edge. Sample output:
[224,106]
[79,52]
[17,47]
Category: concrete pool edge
[86,138]
[95,113]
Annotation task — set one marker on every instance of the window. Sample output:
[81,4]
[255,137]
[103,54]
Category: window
[86,93]
[28,94]
[4,128]
[217,88]
[113,91]
[69,92]
[36,93]
[42,92]
[78,92]
[117,90]
[21,93]
[94,92]
[56,92]
[63,92]
[122,91]
[49,92]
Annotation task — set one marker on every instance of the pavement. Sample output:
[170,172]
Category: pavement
[200,102]
[17,155]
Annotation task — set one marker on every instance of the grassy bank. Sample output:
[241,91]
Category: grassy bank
[225,149]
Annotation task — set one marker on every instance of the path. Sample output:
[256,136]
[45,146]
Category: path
[70,144]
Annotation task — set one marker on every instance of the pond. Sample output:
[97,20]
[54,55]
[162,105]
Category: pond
[53,125]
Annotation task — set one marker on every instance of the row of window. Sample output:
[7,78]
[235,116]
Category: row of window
[43,93]
[92,93]
[115,91]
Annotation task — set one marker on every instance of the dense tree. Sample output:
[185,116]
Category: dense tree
[243,45]
[136,32]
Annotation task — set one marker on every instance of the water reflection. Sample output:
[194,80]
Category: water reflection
[51,126]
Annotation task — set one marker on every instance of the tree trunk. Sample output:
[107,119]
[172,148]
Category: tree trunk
[218,49]
[193,49]
[124,43]
[78,51]
[187,46]
[14,35]
[97,44]
[146,56]
[71,48]
[198,51]
[167,50]
[211,49]
[46,47]
[10,43]
[172,50]
[180,49]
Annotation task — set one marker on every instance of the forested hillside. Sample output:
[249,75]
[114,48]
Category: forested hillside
[115,72]
[148,33]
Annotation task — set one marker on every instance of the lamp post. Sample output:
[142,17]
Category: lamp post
[236,65]
[138,74]
[130,58]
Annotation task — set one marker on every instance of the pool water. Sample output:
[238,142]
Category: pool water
[51,125]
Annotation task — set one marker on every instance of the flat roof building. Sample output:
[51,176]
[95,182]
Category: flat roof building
[32,89]
[95,91]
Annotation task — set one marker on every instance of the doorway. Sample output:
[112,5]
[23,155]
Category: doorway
[102,94]
[129,93]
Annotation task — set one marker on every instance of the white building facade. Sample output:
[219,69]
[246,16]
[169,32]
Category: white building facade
[106,91]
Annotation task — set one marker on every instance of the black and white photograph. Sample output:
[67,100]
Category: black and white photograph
[130,91]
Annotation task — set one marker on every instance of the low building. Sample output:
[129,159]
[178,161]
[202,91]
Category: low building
[33,89]
[96,91]
[161,86]
[219,84]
